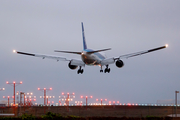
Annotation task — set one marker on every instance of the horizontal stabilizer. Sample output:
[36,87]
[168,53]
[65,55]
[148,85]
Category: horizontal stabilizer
[79,53]
[98,51]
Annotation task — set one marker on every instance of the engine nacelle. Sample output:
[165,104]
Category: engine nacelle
[119,63]
[72,67]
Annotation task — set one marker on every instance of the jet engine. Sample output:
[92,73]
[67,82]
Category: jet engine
[119,63]
[72,67]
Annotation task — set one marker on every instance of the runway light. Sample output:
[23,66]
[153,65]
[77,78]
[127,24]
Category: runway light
[166,45]
[14,51]
[7,82]
[38,88]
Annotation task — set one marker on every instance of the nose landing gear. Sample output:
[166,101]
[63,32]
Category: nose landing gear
[101,70]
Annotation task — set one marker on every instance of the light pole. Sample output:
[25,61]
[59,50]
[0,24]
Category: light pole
[49,97]
[8,98]
[22,93]
[176,92]
[68,98]
[29,98]
[86,99]
[45,90]
[101,100]
[14,85]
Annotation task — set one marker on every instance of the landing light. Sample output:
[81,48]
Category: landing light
[166,45]
[14,51]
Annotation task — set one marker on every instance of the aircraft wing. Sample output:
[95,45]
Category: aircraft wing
[58,58]
[112,60]
[140,53]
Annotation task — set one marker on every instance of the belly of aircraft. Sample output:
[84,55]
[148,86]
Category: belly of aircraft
[90,60]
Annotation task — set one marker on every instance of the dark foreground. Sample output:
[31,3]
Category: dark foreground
[96,112]
[54,116]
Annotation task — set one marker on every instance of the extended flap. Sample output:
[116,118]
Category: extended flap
[77,62]
[107,61]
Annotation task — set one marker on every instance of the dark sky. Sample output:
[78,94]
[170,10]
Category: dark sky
[125,26]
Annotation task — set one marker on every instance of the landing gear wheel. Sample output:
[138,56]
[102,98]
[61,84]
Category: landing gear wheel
[80,71]
[101,71]
[107,69]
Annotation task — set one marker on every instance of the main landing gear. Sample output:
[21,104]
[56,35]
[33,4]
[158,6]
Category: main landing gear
[105,70]
[80,70]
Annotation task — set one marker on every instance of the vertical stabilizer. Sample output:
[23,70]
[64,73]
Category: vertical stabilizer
[83,35]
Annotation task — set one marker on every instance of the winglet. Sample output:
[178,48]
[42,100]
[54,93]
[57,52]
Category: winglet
[83,35]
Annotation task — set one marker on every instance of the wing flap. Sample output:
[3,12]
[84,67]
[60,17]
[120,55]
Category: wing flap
[77,62]
[107,61]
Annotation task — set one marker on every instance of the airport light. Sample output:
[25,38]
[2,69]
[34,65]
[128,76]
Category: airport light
[14,84]
[45,90]
[101,100]
[78,103]
[49,97]
[30,98]
[8,98]
[86,97]
[2,89]
[176,92]
[68,97]
[114,102]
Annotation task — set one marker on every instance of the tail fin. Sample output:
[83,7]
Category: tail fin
[83,35]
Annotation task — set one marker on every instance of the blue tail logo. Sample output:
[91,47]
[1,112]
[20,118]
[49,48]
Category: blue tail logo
[83,35]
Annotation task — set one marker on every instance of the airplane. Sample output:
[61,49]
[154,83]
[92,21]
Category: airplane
[91,57]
